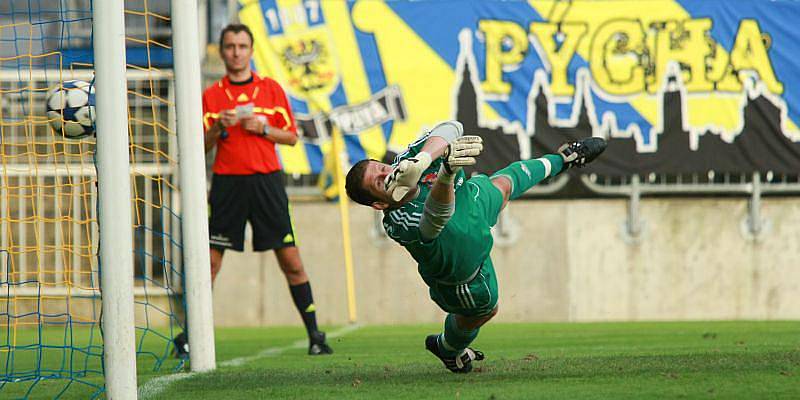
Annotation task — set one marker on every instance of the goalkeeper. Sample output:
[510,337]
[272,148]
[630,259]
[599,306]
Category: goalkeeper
[444,220]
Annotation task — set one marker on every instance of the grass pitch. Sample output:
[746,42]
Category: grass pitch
[725,360]
[746,360]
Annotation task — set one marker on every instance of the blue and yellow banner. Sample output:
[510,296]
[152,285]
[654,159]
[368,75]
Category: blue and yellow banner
[676,85]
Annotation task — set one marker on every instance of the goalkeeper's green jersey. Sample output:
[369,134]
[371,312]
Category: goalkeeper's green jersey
[465,242]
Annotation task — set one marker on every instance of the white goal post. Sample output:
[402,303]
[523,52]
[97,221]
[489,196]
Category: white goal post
[191,148]
[116,244]
[114,194]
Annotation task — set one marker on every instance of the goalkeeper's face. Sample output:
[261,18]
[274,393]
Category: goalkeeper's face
[375,183]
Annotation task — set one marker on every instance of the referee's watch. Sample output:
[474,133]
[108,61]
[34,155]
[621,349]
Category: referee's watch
[265,132]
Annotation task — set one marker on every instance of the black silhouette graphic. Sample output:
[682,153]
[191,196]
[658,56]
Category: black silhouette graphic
[761,146]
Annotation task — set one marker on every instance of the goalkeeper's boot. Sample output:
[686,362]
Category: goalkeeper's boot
[317,345]
[181,346]
[581,152]
[460,364]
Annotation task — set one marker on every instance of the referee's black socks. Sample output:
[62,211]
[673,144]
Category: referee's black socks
[304,301]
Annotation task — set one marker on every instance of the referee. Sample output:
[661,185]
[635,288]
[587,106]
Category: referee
[244,116]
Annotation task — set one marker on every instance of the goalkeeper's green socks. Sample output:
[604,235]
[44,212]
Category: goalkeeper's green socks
[527,173]
[455,339]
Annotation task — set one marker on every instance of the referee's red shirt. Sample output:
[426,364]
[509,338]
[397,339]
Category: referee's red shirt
[243,153]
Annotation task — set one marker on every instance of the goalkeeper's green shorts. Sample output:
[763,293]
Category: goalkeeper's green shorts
[474,298]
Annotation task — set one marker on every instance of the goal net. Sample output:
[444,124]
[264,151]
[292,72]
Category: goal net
[51,342]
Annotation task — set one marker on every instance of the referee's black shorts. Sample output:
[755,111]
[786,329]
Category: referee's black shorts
[260,199]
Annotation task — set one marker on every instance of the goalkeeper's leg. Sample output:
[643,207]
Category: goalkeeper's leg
[452,345]
[469,305]
[518,177]
[460,331]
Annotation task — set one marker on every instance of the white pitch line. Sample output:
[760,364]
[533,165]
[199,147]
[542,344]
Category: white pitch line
[155,386]
[274,351]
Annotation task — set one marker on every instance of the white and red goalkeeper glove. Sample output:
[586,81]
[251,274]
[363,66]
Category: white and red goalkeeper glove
[460,153]
[406,175]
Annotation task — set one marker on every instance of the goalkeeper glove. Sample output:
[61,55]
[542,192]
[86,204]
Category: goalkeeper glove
[460,153]
[406,174]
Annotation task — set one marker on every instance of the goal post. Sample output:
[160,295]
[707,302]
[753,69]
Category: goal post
[114,200]
[103,230]
[196,257]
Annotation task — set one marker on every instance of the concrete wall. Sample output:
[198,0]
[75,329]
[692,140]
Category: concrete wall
[568,263]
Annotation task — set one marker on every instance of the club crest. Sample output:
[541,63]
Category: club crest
[310,68]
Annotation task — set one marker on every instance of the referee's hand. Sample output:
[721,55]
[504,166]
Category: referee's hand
[252,125]
[227,118]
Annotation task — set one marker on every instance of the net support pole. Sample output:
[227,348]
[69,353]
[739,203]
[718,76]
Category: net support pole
[191,148]
[114,200]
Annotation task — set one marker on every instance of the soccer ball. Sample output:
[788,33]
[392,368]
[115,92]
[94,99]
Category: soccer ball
[70,109]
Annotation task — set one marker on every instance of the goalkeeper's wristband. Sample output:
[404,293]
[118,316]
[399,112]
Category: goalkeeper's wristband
[449,170]
[446,176]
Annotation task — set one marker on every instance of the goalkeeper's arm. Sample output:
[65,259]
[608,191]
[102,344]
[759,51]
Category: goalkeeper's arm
[438,139]
[441,136]
[439,207]
[407,173]
[440,204]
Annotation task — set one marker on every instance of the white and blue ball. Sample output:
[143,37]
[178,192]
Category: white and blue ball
[70,109]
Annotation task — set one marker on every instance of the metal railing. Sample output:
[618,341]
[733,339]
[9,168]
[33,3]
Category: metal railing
[58,25]
[752,185]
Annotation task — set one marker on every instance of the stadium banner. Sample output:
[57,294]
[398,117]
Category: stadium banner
[677,86]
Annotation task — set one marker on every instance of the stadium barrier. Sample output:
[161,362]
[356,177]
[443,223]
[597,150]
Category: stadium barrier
[569,262]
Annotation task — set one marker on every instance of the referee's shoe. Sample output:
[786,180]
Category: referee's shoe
[317,345]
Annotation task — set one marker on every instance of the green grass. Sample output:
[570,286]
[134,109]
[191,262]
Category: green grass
[78,365]
[725,360]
